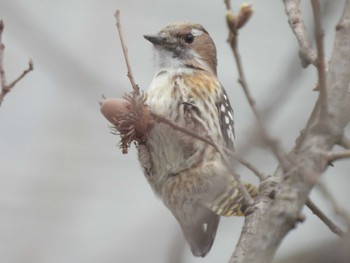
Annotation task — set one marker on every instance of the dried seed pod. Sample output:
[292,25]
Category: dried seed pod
[130,117]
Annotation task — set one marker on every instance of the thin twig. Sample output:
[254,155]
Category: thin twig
[2,47]
[247,198]
[271,142]
[248,165]
[331,225]
[125,51]
[338,210]
[6,88]
[306,53]
[334,156]
[30,68]
[321,64]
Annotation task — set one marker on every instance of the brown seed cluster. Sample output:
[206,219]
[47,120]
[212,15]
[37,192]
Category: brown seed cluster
[131,118]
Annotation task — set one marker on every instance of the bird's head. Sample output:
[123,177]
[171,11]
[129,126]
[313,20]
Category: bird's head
[184,44]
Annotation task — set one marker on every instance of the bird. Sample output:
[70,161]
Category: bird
[187,174]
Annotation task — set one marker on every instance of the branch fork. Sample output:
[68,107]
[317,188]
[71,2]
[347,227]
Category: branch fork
[7,87]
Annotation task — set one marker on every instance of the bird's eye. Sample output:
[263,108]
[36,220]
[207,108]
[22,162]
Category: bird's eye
[189,38]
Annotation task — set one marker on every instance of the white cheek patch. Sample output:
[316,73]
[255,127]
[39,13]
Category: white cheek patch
[165,58]
[196,32]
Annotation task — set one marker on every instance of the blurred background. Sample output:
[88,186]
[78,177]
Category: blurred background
[67,193]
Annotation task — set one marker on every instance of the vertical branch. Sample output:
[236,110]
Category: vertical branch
[320,62]
[306,53]
[2,47]
[264,232]
[125,51]
[234,24]
[5,87]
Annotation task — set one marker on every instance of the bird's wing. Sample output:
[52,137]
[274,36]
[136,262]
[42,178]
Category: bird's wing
[226,120]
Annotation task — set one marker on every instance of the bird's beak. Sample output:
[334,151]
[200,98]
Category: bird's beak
[155,40]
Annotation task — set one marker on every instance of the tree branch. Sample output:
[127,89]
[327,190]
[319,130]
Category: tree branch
[334,156]
[306,53]
[320,61]
[266,227]
[5,87]
[125,51]
[271,220]
[328,222]
[248,165]
[338,210]
[272,143]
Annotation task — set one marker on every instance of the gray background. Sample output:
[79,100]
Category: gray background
[67,194]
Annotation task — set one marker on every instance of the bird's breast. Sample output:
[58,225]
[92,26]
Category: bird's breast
[178,95]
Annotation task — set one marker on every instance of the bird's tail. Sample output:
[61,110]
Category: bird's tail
[200,235]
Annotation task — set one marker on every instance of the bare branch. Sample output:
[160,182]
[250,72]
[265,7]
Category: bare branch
[247,164]
[306,53]
[125,51]
[270,222]
[338,210]
[30,68]
[270,142]
[2,47]
[334,156]
[6,88]
[267,226]
[328,222]
[321,63]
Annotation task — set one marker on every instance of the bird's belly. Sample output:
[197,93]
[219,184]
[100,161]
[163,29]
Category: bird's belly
[173,149]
